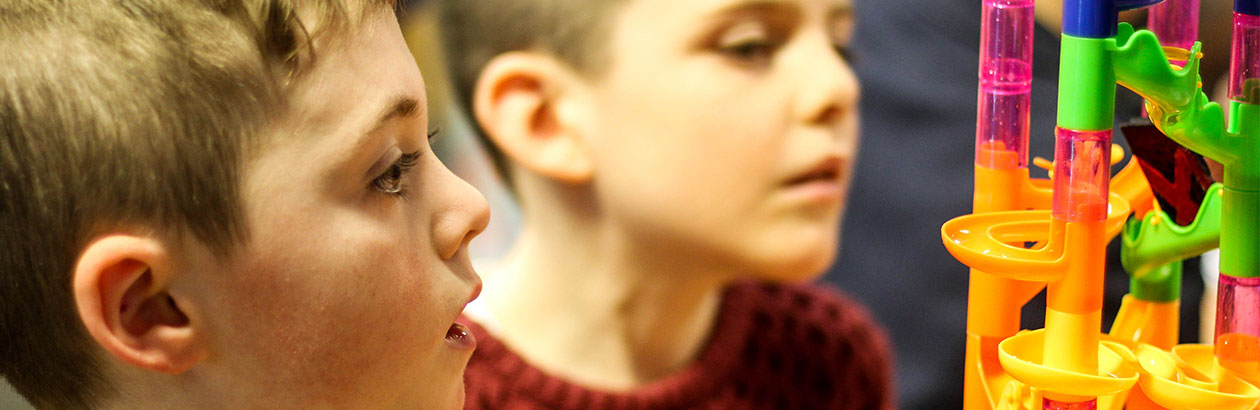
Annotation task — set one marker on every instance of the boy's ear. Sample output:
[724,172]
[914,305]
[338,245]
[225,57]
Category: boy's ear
[121,288]
[518,101]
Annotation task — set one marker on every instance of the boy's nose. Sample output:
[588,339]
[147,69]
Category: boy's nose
[828,87]
[466,215]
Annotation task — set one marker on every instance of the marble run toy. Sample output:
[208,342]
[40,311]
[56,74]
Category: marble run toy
[1028,234]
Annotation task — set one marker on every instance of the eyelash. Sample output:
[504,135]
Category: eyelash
[754,51]
[391,182]
[761,50]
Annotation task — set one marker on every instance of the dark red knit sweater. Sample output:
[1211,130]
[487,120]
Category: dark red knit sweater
[773,347]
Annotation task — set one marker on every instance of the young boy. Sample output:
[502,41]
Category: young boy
[666,154]
[225,204]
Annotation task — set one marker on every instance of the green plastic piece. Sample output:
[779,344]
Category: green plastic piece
[1150,246]
[1087,84]
[1163,284]
[1242,110]
[1180,109]
[1240,234]
[1142,65]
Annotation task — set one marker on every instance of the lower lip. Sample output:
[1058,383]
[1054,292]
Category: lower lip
[817,191]
[459,337]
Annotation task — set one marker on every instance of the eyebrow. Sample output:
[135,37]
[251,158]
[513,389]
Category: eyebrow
[403,106]
[400,106]
[755,5]
[838,9]
[841,9]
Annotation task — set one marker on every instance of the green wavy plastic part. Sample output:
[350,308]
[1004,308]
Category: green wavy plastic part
[1180,109]
[1151,249]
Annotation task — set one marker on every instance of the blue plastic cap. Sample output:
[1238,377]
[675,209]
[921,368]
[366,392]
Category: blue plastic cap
[1249,7]
[1098,18]
[1089,18]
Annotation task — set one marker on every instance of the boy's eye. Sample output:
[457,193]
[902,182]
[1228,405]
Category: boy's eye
[758,50]
[749,42]
[391,181]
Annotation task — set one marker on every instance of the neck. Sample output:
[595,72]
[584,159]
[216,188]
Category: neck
[570,291]
[134,388]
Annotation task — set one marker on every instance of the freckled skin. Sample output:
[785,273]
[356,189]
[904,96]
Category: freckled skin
[343,296]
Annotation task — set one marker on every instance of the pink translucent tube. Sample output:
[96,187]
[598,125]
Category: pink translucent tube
[1175,22]
[1244,72]
[1048,404]
[1082,173]
[1238,321]
[1005,84]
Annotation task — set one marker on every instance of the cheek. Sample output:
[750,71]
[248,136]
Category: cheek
[323,309]
[700,157]
[685,145]
[701,164]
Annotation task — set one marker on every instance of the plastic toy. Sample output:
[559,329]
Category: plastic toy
[1025,234]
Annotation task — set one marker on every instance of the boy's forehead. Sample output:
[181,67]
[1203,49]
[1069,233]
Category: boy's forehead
[833,6]
[362,78]
[719,9]
[361,82]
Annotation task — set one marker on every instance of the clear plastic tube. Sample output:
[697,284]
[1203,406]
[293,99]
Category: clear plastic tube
[1238,321]
[1082,175]
[1048,404]
[1244,71]
[1004,101]
[1175,22]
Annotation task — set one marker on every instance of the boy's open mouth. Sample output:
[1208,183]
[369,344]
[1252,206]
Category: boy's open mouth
[459,336]
[827,170]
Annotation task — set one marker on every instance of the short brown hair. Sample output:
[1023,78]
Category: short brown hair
[475,31]
[125,115]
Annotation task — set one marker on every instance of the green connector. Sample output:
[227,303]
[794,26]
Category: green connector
[1152,249]
[1087,84]
[1240,234]
[1243,171]
[1163,284]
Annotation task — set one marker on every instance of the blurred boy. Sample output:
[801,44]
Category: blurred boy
[671,160]
[225,204]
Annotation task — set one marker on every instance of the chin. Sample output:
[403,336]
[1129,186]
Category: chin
[801,264]
[453,402]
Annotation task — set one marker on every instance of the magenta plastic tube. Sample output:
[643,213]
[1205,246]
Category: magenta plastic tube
[1082,175]
[1244,72]
[1175,22]
[1237,320]
[1005,84]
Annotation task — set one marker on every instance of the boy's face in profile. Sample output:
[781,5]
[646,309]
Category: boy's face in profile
[731,125]
[357,262]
